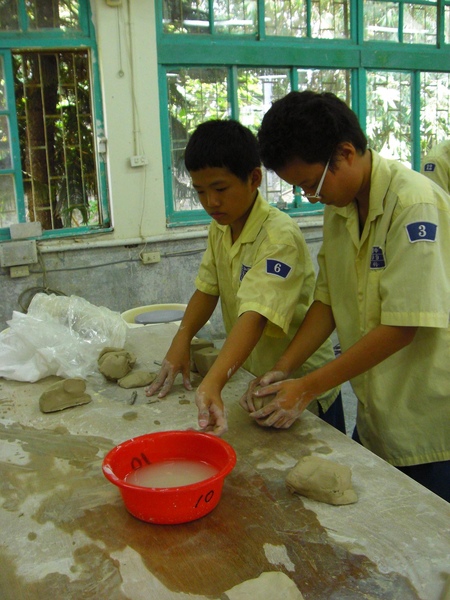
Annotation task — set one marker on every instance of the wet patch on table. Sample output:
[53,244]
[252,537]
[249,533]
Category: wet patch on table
[130,415]
[98,576]
[234,535]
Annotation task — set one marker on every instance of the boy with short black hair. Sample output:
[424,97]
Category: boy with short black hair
[256,261]
[383,283]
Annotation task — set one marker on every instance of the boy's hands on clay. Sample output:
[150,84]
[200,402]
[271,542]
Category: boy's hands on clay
[291,399]
[175,362]
[211,411]
[252,403]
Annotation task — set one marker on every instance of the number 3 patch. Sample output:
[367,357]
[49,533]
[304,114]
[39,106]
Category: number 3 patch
[275,267]
[421,231]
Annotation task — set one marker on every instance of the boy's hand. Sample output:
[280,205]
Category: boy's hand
[211,411]
[167,373]
[290,401]
[248,399]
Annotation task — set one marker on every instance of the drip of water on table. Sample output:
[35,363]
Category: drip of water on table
[171,473]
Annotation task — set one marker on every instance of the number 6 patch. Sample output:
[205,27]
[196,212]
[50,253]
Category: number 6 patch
[421,231]
[275,267]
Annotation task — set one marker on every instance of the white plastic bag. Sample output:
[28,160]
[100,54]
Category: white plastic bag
[60,335]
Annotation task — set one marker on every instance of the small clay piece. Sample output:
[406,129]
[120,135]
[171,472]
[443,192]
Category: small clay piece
[107,349]
[115,363]
[64,394]
[137,379]
[269,585]
[322,480]
[204,359]
[198,344]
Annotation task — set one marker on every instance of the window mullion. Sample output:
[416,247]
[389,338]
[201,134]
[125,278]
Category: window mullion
[233,92]
[415,121]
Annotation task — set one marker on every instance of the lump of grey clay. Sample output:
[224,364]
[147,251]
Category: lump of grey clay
[198,344]
[136,379]
[115,363]
[261,401]
[64,394]
[204,359]
[322,480]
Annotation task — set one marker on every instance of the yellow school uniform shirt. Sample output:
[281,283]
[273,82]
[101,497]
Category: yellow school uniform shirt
[436,165]
[267,270]
[396,273]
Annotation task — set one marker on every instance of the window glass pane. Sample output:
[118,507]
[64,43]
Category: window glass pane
[286,17]
[238,16]
[5,144]
[435,109]
[57,14]
[329,18]
[447,24]
[337,81]
[8,211]
[3,99]
[56,138]
[388,125]
[180,16]
[420,24]
[9,19]
[195,95]
[257,89]
[381,21]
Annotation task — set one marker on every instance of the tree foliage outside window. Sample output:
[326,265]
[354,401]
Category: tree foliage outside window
[242,55]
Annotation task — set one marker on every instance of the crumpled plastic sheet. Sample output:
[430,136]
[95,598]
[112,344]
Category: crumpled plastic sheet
[60,335]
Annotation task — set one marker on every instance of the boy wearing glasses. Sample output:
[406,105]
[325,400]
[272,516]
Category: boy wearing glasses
[257,262]
[383,284]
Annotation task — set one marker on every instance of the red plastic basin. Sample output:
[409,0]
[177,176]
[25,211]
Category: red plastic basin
[175,504]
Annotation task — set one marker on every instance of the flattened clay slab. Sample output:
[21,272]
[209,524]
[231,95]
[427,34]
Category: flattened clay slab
[204,359]
[137,379]
[322,480]
[198,344]
[64,394]
[268,586]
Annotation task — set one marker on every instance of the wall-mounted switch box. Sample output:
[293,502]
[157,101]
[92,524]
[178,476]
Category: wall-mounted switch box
[18,253]
[20,231]
[20,271]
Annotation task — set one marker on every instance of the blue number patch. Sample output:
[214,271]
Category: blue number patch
[275,267]
[244,270]
[421,231]
[429,167]
[377,258]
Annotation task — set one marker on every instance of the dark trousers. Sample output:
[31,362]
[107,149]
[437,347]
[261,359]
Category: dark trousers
[335,414]
[434,476]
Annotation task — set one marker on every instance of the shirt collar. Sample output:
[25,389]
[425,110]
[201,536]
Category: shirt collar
[256,218]
[380,180]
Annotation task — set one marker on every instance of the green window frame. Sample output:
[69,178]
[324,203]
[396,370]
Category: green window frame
[380,56]
[67,35]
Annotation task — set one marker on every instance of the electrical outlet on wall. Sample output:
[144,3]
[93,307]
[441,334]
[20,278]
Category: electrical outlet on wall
[139,160]
[148,258]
